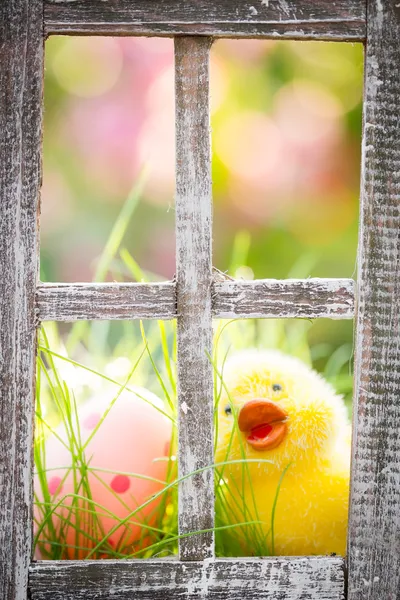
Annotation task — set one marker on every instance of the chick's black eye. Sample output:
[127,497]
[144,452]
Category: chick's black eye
[228,410]
[277,387]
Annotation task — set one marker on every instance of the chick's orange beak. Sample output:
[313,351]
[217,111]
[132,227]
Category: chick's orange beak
[263,423]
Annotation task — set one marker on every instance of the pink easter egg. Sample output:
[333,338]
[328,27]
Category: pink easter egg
[127,464]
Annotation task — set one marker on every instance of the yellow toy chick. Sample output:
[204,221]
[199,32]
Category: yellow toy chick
[282,412]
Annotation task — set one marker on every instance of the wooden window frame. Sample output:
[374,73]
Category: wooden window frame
[372,568]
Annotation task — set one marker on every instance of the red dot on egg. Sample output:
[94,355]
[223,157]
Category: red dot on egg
[91,421]
[166,448]
[120,484]
[54,485]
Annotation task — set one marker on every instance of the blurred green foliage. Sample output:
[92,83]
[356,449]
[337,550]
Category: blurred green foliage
[286,121]
[286,129]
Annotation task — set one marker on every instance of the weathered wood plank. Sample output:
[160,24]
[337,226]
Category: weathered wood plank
[194,278]
[314,578]
[261,298]
[80,301]
[21,75]
[374,528]
[292,19]
[286,298]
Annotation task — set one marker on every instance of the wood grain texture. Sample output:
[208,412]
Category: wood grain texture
[86,301]
[271,298]
[291,19]
[314,578]
[374,528]
[21,74]
[261,298]
[194,278]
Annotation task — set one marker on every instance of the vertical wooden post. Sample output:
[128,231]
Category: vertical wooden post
[374,527]
[21,77]
[193,229]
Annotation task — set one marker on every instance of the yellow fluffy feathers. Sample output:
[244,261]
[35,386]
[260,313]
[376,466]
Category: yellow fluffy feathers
[277,409]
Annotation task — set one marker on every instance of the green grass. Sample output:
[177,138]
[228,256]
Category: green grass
[76,364]
[152,350]
[56,405]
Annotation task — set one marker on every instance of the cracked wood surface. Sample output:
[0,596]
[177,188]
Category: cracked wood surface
[261,298]
[21,75]
[286,298]
[194,279]
[290,19]
[374,527]
[88,301]
[303,578]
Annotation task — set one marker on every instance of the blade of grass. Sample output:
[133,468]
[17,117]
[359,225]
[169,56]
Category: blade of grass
[106,378]
[110,250]
[278,488]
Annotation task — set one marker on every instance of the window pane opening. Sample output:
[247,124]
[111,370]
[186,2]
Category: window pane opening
[108,180]
[283,392]
[106,487]
[286,135]
[105,443]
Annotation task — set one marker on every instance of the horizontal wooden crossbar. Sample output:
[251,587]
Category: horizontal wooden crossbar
[288,298]
[90,301]
[314,578]
[291,19]
[262,298]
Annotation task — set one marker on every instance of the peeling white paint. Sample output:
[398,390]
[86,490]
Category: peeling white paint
[284,7]
[89,301]
[379,14]
[184,408]
[21,74]
[340,20]
[272,298]
[194,281]
[373,551]
[321,578]
[318,578]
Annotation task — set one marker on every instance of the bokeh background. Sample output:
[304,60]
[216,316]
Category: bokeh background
[286,127]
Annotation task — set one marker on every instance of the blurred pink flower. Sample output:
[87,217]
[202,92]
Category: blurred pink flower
[105,131]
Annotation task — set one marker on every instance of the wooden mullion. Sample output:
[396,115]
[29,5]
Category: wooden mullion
[374,525]
[194,278]
[342,20]
[292,578]
[21,83]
